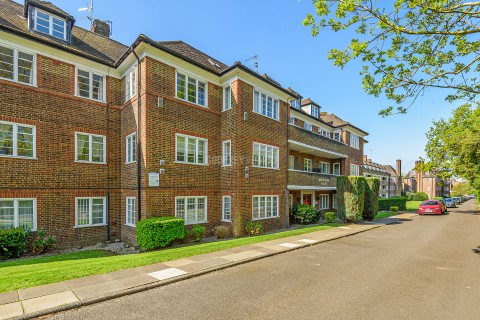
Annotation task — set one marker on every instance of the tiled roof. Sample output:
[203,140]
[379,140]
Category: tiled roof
[391,170]
[374,168]
[84,42]
[333,119]
[50,6]
[294,92]
[309,101]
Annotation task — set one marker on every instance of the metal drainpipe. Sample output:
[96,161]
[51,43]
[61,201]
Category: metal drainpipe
[108,179]
[287,193]
[139,134]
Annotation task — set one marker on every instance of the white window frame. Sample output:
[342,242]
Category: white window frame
[197,80]
[15,140]
[308,126]
[354,169]
[227,153]
[16,213]
[90,138]
[131,90]
[196,209]
[307,165]
[131,148]
[337,165]
[224,218]
[50,24]
[292,120]
[90,203]
[266,149]
[354,141]
[90,84]
[324,201]
[324,165]
[339,135]
[33,78]
[291,162]
[270,197]
[392,187]
[131,211]
[227,102]
[258,108]
[205,152]
[334,201]
[316,113]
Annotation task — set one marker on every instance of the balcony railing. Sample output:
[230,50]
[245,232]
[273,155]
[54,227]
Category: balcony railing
[310,179]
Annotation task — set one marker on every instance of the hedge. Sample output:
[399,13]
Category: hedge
[305,214]
[13,243]
[420,196]
[385,204]
[350,197]
[159,232]
[372,189]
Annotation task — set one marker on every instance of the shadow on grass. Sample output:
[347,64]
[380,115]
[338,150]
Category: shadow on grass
[81,255]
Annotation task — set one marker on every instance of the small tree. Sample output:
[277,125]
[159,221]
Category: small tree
[350,197]
[372,189]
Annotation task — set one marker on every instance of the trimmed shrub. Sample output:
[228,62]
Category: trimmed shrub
[305,214]
[221,232]
[350,197]
[385,204]
[394,209]
[330,217]
[420,196]
[159,232]
[409,196]
[197,232]
[42,242]
[13,243]
[254,228]
[370,207]
[438,198]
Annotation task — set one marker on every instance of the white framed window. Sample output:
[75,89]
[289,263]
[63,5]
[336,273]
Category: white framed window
[90,211]
[227,97]
[191,89]
[308,126]
[292,120]
[337,137]
[324,201]
[264,207]
[325,133]
[130,83]
[315,111]
[227,153]
[334,201]
[191,209]
[354,169]
[191,149]
[392,187]
[324,167]
[336,169]
[295,104]
[307,165]
[265,156]
[17,140]
[354,141]
[265,105]
[17,65]
[291,162]
[90,147]
[227,208]
[51,25]
[20,212]
[131,205]
[131,148]
[90,85]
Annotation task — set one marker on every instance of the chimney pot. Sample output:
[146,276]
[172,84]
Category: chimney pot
[101,27]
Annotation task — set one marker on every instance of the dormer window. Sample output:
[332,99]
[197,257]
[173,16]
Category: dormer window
[295,104]
[49,24]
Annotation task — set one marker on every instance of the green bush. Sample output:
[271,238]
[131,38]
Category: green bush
[13,243]
[254,228]
[420,196]
[197,232]
[330,217]
[350,197]
[305,214]
[385,204]
[394,209]
[370,207]
[42,242]
[159,232]
[409,196]
[438,198]
[221,232]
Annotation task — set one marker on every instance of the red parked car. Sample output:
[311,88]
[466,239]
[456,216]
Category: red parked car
[430,207]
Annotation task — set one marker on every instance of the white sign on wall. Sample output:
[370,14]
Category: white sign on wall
[154,179]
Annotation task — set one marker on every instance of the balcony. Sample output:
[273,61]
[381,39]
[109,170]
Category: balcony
[305,180]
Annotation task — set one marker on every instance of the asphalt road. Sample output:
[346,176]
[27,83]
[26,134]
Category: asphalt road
[426,268]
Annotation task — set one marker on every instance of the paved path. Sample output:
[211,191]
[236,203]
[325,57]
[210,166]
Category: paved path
[426,268]
[36,301]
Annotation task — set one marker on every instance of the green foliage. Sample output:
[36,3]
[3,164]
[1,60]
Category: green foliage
[350,197]
[221,232]
[197,232]
[305,214]
[330,217]
[385,204]
[159,232]
[409,196]
[420,196]
[394,209]
[461,189]
[254,228]
[42,242]
[437,198]
[13,243]
[372,189]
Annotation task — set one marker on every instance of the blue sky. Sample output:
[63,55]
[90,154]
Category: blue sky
[234,30]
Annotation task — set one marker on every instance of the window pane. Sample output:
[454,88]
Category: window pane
[25,214]
[191,211]
[83,207]
[83,147]
[192,90]
[256,101]
[227,98]
[255,209]
[270,107]
[131,208]
[97,87]
[263,109]
[275,109]
[256,154]
[201,93]
[180,86]
[58,28]
[6,63]
[181,149]
[7,212]
[192,146]
[24,141]
[25,66]
[227,208]
[180,211]
[42,22]
[6,139]
[97,149]
[83,83]
[201,210]
[201,151]
[97,211]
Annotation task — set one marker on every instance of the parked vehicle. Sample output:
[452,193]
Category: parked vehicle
[457,200]
[430,207]
[444,205]
[450,203]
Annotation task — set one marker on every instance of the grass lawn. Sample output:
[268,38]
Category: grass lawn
[39,271]
[382,215]
[413,205]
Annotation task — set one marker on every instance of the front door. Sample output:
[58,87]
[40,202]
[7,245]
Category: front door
[307,199]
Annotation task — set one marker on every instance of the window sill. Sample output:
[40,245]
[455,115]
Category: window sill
[34,85]
[223,110]
[265,218]
[278,120]
[229,221]
[193,164]
[193,103]
[226,165]
[130,225]
[89,162]
[18,157]
[90,226]
[130,162]
[198,222]
[91,99]
[253,166]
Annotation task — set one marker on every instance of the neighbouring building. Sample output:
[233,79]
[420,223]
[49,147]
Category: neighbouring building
[396,185]
[95,134]
[376,170]
[428,182]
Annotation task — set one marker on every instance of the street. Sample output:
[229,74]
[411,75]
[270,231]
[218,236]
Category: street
[425,268]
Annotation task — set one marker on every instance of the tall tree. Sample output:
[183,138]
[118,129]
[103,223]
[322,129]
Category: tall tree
[407,46]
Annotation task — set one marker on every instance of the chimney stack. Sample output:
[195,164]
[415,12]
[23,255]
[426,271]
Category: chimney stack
[399,167]
[365,159]
[101,27]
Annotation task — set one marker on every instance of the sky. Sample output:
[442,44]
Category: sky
[235,30]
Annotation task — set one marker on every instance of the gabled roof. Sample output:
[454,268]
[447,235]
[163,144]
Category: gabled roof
[337,122]
[47,6]
[308,101]
[299,96]
[391,170]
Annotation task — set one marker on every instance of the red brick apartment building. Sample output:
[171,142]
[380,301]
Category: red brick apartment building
[420,181]
[95,135]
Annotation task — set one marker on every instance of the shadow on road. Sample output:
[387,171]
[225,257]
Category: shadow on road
[476,250]
[473,211]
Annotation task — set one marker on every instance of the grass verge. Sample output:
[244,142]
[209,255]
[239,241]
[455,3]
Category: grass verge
[413,205]
[39,271]
[382,215]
